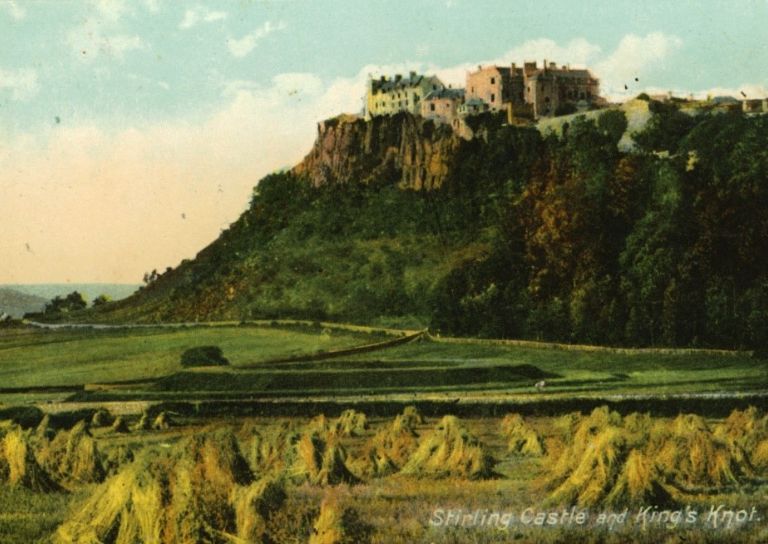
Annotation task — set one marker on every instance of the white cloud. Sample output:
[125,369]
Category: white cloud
[118,45]
[192,17]
[751,90]
[21,83]
[578,52]
[110,10]
[152,5]
[633,57]
[13,9]
[89,41]
[246,44]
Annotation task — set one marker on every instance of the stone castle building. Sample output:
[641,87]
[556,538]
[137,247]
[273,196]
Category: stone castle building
[441,105]
[496,86]
[546,91]
[526,91]
[390,96]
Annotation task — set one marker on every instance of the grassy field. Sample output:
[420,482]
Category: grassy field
[72,357]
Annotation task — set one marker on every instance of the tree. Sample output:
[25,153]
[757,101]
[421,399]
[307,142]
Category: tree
[62,305]
[101,300]
[203,356]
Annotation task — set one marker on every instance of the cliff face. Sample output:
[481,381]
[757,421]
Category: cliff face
[403,149]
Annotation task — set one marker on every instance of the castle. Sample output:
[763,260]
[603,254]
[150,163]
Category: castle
[526,91]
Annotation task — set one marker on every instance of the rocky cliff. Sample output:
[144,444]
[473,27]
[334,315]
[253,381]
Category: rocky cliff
[403,149]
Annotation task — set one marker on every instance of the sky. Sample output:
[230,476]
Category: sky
[133,132]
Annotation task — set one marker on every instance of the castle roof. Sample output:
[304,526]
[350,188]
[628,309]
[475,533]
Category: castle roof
[455,94]
[562,72]
[397,83]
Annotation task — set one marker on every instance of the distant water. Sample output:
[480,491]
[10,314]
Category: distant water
[115,291]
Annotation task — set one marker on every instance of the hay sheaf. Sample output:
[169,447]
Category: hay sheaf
[689,453]
[162,422]
[389,449]
[746,433]
[605,463]
[411,417]
[521,437]
[321,460]
[44,431]
[637,459]
[119,425]
[351,423]
[338,524]
[253,504]
[73,457]
[201,491]
[639,482]
[19,466]
[101,418]
[143,423]
[270,449]
[450,451]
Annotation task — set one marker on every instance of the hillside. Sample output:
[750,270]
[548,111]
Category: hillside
[561,236]
[16,304]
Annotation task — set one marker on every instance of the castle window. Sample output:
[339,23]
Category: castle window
[432,107]
[493,97]
[493,81]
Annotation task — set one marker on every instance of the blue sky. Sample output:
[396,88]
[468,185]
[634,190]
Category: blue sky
[128,121]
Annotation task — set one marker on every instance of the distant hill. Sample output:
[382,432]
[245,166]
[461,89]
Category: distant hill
[47,291]
[16,304]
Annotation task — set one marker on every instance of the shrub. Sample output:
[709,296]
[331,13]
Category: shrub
[203,356]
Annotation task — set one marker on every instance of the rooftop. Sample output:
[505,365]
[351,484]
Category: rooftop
[445,93]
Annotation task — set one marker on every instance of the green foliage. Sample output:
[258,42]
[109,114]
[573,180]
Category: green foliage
[203,356]
[70,303]
[101,300]
[666,128]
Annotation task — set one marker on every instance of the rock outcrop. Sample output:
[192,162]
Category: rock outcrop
[404,149]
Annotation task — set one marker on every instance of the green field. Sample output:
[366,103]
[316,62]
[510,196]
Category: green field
[271,360]
[76,357]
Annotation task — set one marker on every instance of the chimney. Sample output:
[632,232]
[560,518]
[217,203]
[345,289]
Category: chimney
[398,77]
[545,65]
[514,67]
[553,66]
[413,75]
